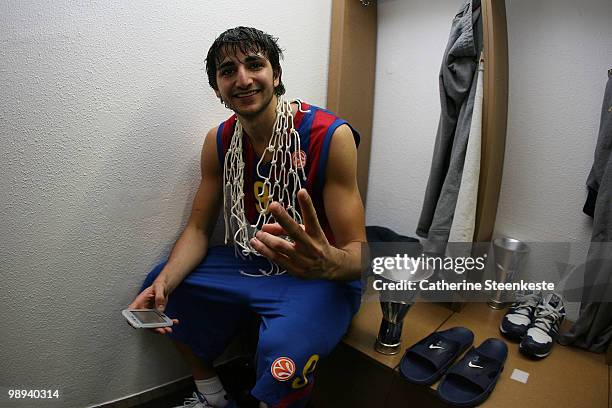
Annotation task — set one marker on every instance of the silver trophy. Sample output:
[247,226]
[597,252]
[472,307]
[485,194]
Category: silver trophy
[509,256]
[395,305]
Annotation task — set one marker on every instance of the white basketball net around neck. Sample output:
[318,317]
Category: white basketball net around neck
[282,182]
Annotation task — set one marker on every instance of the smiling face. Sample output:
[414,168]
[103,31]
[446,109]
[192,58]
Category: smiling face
[246,82]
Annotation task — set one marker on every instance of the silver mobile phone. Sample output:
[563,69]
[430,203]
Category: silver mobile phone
[146,318]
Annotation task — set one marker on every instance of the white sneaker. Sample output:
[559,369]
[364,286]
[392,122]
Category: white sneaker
[543,332]
[519,317]
[197,400]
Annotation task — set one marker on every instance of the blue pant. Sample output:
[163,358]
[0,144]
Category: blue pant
[301,320]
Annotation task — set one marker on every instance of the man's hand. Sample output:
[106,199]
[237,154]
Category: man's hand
[309,256]
[155,296]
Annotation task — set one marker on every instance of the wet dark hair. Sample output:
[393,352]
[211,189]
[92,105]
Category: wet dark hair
[246,40]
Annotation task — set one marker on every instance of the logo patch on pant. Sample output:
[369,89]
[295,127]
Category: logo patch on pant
[283,369]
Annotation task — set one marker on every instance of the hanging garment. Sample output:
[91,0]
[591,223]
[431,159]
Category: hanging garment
[602,155]
[457,92]
[464,220]
[593,329]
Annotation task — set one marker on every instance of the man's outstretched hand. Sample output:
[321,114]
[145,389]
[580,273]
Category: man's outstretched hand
[309,256]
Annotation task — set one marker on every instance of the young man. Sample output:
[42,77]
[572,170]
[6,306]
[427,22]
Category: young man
[285,174]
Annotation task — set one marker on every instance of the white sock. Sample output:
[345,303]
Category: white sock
[213,391]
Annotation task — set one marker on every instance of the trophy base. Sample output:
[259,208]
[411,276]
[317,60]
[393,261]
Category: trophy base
[497,305]
[386,349]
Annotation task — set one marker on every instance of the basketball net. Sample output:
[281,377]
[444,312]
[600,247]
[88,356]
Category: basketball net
[281,184]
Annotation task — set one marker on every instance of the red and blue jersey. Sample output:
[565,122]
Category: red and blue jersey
[315,127]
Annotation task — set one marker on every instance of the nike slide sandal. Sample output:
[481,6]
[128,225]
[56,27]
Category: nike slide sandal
[425,362]
[472,379]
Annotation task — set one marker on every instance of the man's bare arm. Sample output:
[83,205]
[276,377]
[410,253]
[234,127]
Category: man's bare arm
[343,204]
[192,245]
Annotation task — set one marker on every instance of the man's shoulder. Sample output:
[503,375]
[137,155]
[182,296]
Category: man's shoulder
[226,128]
[230,120]
[310,108]
[323,120]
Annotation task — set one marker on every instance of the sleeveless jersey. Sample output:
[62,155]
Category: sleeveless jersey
[315,127]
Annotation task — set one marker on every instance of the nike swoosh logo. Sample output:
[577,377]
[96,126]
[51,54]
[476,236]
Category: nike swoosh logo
[431,346]
[474,365]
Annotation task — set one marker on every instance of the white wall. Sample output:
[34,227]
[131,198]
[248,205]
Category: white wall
[412,36]
[559,55]
[104,106]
